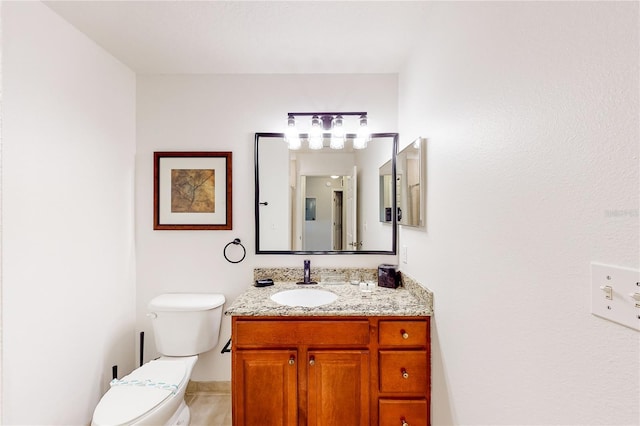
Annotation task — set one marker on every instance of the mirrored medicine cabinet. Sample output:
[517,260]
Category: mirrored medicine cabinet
[323,201]
[409,189]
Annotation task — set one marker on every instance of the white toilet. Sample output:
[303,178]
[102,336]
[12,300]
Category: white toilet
[185,325]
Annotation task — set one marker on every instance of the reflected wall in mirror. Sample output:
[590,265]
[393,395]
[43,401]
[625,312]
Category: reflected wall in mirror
[321,201]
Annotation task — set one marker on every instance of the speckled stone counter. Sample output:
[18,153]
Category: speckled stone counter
[411,299]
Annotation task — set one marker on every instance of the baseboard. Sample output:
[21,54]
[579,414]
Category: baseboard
[209,387]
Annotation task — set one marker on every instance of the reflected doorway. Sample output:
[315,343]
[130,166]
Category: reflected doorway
[338,220]
[328,215]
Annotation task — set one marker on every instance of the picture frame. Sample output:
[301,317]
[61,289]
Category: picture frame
[192,191]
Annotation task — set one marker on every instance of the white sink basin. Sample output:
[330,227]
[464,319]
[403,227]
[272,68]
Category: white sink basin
[305,297]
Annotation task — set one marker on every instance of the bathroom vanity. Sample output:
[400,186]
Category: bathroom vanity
[355,361]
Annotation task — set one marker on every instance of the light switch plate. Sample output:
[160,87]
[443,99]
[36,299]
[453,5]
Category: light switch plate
[621,284]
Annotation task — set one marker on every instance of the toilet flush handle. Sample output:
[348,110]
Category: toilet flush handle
[152,315]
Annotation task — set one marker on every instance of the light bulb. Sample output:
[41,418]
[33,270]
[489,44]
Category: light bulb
[315,142]
[337,134]
[336,142]
[315,134]
[338,130]
[291,136]
[359,143]
[294,142]
[363,135]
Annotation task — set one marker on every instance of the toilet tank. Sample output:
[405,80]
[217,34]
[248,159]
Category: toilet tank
[186,324]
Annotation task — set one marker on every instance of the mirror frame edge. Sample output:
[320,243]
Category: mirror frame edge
[394,223]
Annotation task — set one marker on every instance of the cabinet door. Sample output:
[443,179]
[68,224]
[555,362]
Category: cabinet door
[268,383]
[338,391]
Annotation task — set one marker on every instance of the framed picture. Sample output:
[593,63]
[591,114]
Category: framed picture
[192,190]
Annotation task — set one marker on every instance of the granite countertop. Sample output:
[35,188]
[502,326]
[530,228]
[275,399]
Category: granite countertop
[256,301]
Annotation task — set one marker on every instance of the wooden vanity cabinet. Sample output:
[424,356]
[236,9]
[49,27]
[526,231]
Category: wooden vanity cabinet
[404,372]
[319,371]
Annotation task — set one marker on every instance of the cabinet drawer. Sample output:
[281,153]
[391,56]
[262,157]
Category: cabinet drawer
[266,333]
[412,412]
[403,371]
[403,333]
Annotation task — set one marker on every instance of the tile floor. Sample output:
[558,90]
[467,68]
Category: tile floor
[209,405]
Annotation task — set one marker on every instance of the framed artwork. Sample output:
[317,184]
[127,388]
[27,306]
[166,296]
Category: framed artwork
[192,190]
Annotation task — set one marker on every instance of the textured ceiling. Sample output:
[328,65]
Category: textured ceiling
[250,37]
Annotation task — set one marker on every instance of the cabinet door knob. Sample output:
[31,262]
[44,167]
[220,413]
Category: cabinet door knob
[405,374]
[292,360]
[312,361]
[404,422]
[405,335]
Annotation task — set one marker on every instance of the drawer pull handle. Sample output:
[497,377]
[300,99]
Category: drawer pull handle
[292,360]
[405,335]
[405,374]
[312,361]
[404,422]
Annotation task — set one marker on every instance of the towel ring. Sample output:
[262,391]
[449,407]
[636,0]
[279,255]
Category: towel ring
[235,242]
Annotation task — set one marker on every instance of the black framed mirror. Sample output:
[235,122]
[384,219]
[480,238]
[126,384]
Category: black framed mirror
[322,201]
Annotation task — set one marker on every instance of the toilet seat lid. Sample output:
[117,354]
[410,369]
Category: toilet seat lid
[139,392]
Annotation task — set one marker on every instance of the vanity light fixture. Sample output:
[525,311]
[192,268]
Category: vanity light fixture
[326,125]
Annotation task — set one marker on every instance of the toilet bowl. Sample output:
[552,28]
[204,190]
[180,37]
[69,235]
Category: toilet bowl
[153,394]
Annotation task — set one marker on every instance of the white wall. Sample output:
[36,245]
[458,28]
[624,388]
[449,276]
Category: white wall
[67,232]
[1,339]
[531,110]
[222,113]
